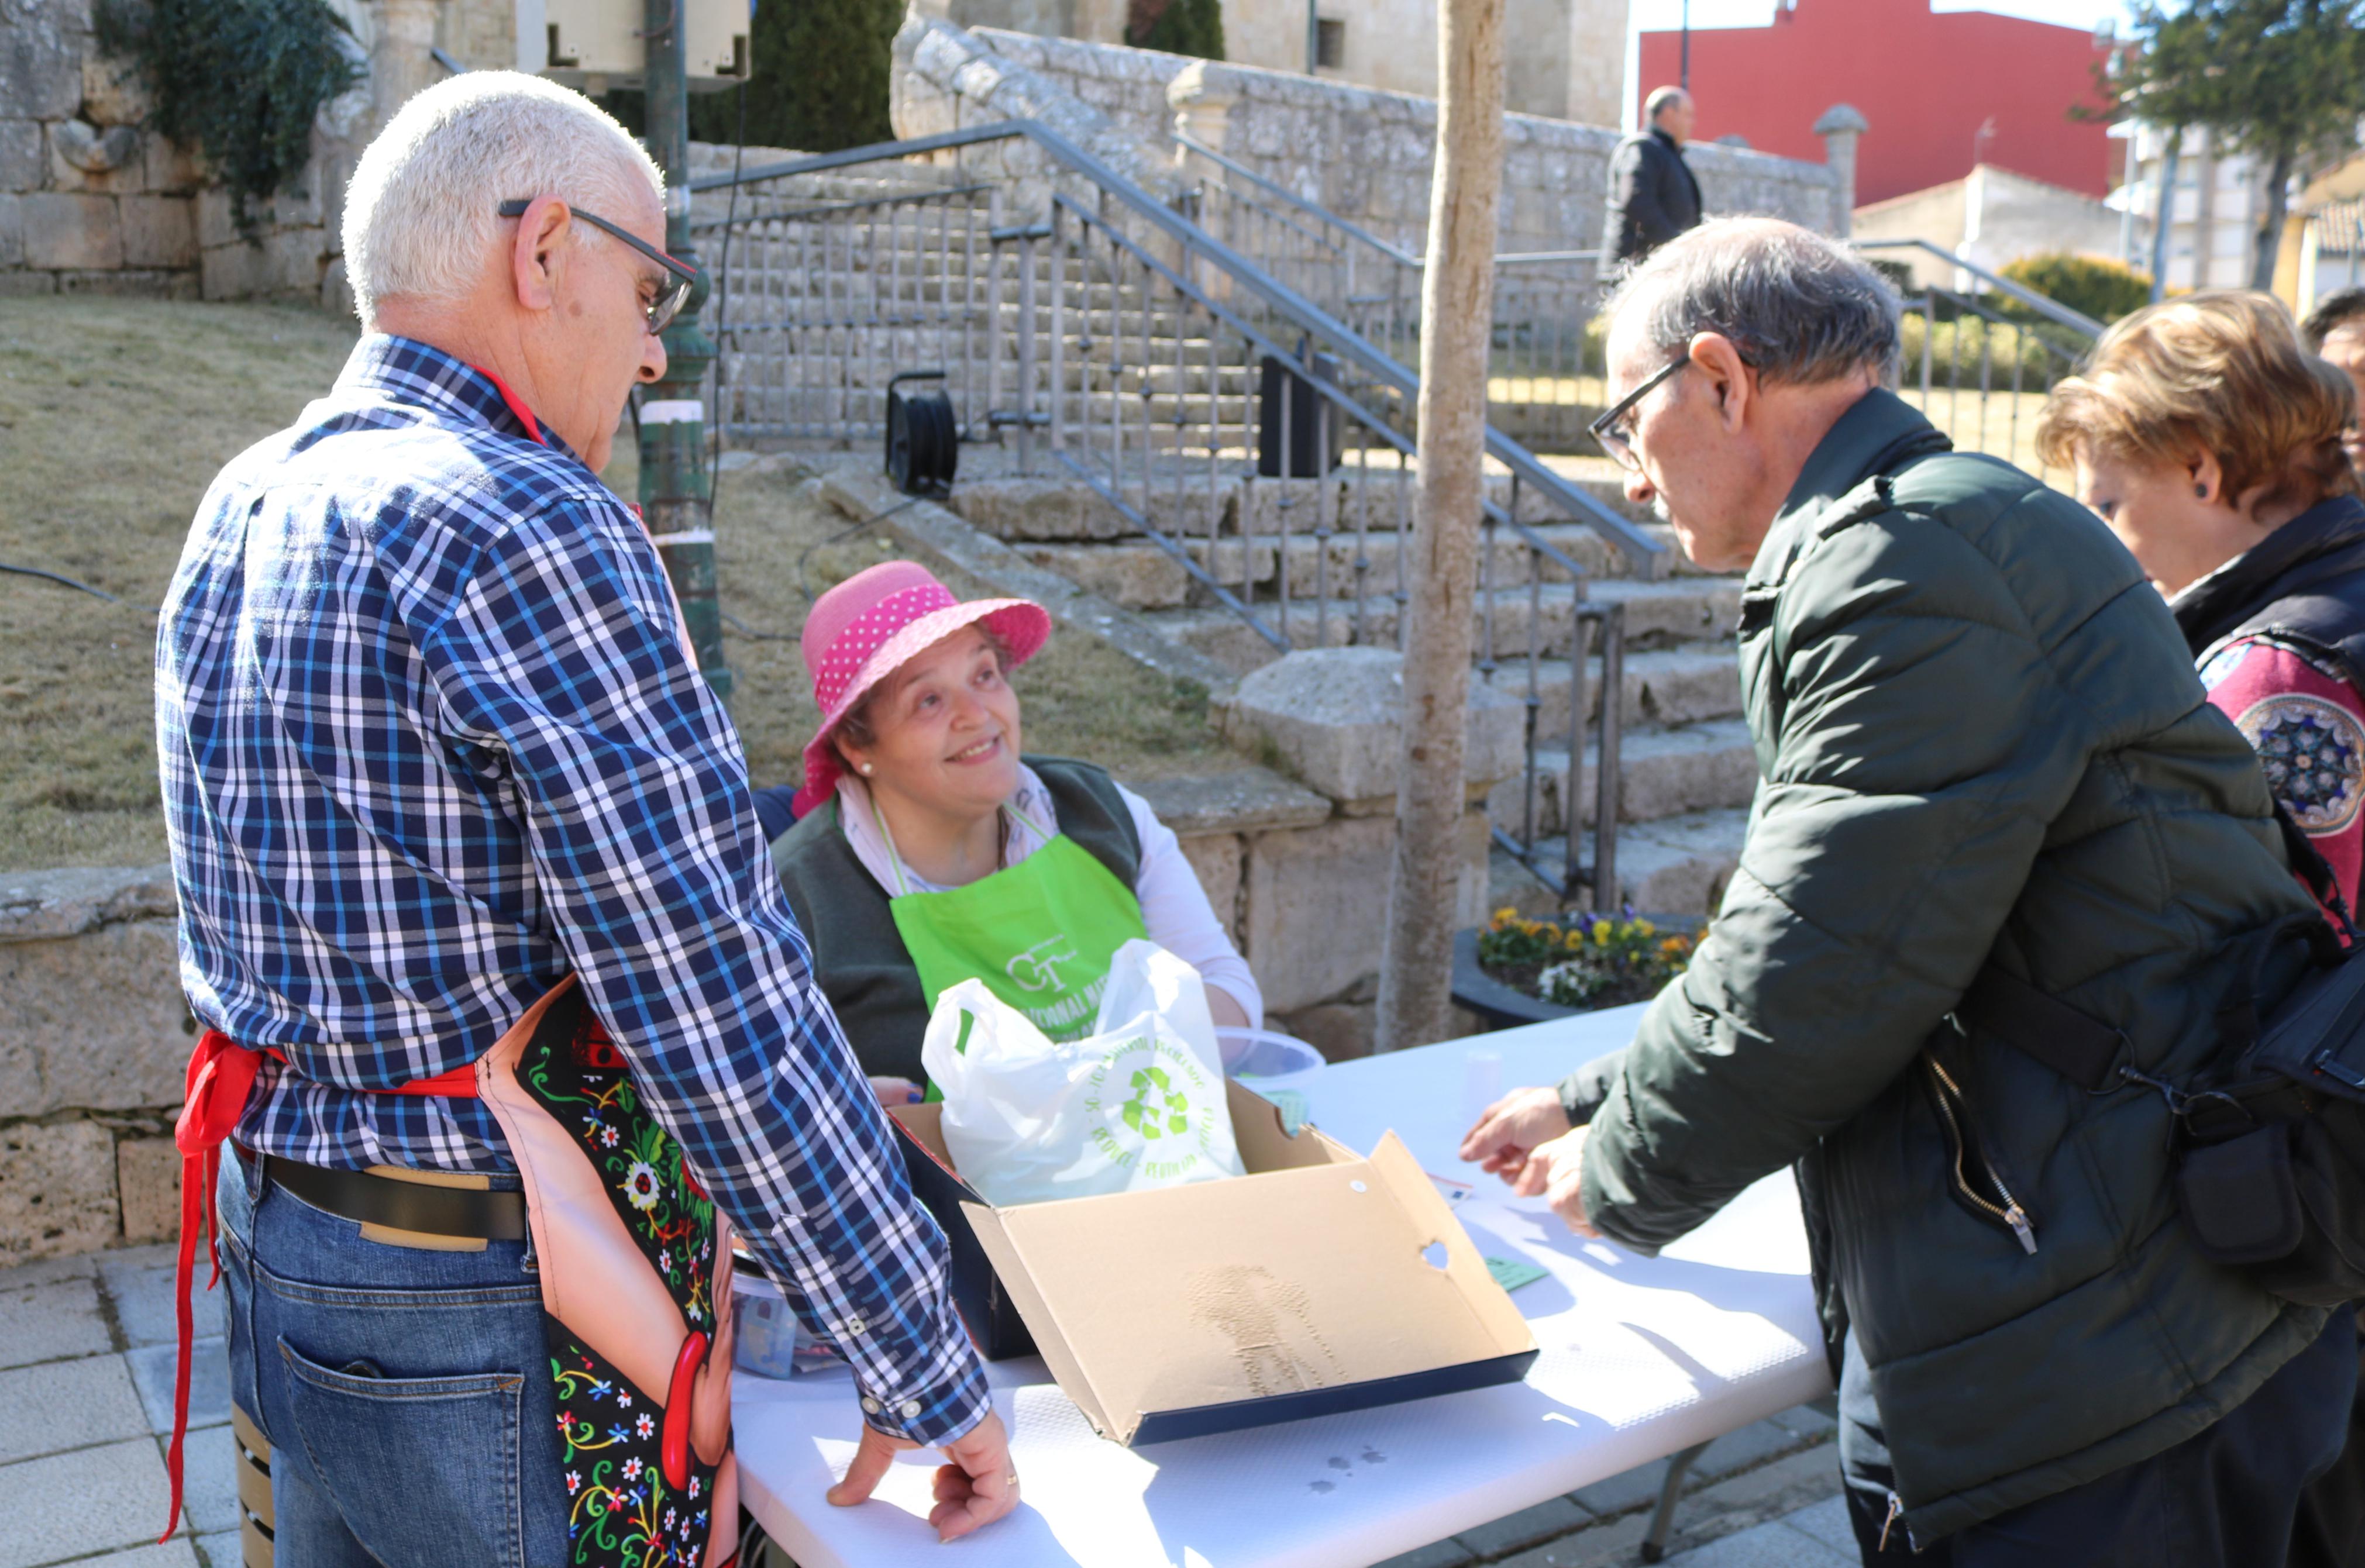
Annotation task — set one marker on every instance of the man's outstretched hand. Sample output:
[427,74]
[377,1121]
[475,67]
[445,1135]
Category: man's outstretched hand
[978,1487]
[1511,1126]
[1524,1138]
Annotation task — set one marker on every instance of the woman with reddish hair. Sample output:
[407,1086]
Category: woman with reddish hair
[928,849]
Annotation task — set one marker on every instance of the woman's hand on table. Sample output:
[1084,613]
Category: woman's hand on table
[978,1487]
[895,1091]
[1509,1130]
[1554,1172]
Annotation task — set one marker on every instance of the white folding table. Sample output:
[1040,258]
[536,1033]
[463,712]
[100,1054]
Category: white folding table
[1641,1358]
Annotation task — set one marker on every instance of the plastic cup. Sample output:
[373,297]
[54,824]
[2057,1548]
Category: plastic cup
[1482,1082]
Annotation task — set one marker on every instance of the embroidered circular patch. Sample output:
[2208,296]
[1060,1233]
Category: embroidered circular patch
[2313,753]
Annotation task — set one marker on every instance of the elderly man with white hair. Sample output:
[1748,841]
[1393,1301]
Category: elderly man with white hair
[506,1019]
[2011,888]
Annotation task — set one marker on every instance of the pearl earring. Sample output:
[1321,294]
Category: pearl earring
[866,770]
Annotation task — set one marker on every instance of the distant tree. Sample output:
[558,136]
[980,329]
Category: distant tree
[2282,80]
[817,79]
[1178,27]
[2102,289]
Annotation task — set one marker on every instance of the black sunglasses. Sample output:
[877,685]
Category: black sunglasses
[670,300]
[1605,429]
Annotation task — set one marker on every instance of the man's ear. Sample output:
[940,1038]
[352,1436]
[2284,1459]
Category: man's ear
[537,258]
[1727,377]
[2208,478]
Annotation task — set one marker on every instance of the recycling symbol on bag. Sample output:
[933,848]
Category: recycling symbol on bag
[1156,1107]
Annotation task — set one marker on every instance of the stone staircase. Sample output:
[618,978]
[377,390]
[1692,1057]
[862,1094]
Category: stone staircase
[1687,767]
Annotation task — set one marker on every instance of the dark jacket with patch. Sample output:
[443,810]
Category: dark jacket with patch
[1980,738]
[1653,195]
[859,956]
[2303,586]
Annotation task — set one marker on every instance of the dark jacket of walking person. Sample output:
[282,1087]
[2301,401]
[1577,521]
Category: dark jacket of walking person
[1983,749]
[1652,193]
[2218,449]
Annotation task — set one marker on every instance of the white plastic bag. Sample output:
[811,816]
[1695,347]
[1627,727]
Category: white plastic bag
[1138,1104]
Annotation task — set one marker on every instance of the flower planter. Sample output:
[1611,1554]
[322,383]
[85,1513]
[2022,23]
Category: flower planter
[1501,1006]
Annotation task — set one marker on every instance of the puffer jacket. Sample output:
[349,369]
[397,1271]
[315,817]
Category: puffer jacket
[1978,735]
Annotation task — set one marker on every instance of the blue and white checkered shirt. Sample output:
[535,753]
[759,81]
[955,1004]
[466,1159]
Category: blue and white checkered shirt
[430,742]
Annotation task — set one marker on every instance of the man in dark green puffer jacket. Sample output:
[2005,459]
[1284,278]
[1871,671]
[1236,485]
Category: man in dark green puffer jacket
[1978,735]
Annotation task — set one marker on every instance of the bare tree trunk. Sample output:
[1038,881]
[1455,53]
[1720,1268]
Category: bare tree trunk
[2268,244]
[1457,312]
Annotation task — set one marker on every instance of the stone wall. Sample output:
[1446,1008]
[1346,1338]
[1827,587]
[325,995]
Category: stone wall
[94,201]
[94,1037]
[1362,154]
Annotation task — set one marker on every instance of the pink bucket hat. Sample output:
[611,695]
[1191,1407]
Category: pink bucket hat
[860,630]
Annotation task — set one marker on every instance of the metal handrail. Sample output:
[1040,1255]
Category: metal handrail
[1644,552]
[2051,310]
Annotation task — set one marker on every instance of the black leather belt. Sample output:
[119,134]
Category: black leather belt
[357,1195]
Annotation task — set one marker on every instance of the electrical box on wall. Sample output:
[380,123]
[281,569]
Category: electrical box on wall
[597,45]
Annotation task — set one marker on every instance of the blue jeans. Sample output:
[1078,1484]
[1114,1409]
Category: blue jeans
[406,1393]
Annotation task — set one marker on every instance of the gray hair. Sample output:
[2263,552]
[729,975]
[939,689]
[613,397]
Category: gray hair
[418,216]
[1659,99]
[1801,307]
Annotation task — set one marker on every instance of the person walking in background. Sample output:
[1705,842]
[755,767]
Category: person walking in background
[2334,332]
[2212,444]
[1653,195]
[1992,789]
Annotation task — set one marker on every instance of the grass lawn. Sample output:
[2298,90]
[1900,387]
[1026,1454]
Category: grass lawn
[116,414]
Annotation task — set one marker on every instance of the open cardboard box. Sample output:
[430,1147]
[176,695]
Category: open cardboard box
[1320,1281]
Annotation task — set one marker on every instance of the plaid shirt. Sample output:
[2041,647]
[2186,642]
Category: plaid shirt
[430,742]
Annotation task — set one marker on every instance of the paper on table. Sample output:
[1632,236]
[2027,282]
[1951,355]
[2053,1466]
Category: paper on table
[1511,1273]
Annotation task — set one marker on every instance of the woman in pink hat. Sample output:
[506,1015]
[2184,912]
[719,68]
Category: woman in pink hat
[927,850]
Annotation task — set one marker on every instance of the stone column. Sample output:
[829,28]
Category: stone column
[402,63]
[1202,99]
[1838,127]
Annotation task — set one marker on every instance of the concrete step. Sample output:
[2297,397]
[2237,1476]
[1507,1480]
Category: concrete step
[1658,615]
[1687,684]
[1674,866]
[1662,772]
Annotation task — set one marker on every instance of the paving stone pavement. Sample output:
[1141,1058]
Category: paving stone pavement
[86,1383]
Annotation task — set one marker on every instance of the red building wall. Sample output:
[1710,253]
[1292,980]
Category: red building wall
[1926,83]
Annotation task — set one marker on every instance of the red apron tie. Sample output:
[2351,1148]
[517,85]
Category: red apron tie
[221,1077]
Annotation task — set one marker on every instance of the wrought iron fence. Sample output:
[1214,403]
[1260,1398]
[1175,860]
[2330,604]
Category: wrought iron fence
[1237,425]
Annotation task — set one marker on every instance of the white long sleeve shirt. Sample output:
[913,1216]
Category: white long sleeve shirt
[1174,907]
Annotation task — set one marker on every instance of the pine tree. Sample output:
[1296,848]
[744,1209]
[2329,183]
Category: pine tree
[1178,27]
[817,79]
[2282,80]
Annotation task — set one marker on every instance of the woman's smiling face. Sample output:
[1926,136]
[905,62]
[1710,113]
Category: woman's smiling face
[944,729]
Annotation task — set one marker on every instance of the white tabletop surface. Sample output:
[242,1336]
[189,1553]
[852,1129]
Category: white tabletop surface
[1641,1357]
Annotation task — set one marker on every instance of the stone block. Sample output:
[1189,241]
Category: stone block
[1238,801]
[112,93]
[21,160]
[148,1182]
[172,168]
[57,1193]
[1139,577]
[40,59]
[284,261]
[146,283]
[1214,859]
[1315,907]
[12,232]
[94,1022]
[1337,715]
[1341,1031]
[63,1405]
[68,1503]
[16,284]
[158,232]
[66,230]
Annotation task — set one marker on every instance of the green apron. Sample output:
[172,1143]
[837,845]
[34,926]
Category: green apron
[1039,934]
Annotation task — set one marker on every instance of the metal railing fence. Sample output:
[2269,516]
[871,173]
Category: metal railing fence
[1248,434]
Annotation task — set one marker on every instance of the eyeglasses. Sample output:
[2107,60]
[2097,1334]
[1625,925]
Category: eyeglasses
[1606,431]
[670,298]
